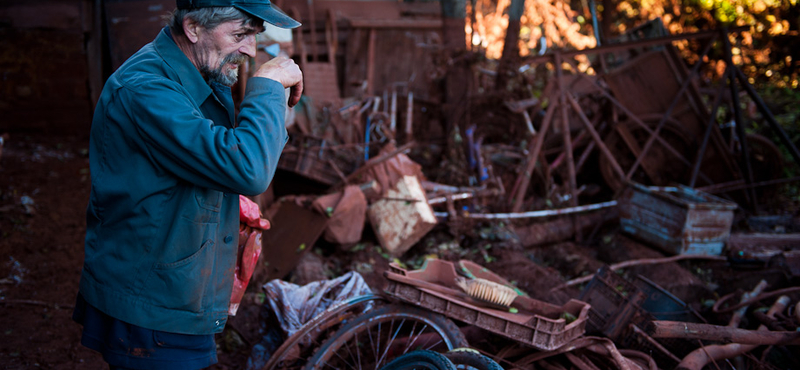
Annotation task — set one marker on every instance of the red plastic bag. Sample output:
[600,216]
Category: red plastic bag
[250,227]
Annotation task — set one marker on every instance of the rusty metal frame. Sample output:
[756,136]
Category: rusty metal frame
[687,89]
[669,110]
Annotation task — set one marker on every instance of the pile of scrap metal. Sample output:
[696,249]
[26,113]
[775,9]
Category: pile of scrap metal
[636,137]
[640,119]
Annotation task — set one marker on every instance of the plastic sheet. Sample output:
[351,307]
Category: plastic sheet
[288,306]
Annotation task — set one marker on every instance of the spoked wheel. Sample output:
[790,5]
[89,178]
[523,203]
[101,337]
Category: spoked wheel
[294,351]
[468,359]
[376,338]
[420,360]
[667,167]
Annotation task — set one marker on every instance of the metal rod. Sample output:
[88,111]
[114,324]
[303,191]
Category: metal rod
[768,115]
[707,135]
[567,140]
[653,342]
[595,27]
[393,112]
[584,156]
[641,124]
[409,117]
[560,159]
[739,126]
[672,105]
[543,213]
[596,137]
[524,179]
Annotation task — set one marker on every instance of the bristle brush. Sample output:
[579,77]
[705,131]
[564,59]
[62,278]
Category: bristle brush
[487,291]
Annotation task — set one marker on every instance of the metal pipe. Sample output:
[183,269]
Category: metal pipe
[596,137]
[737,112]
[524,179]
[409,117]
[593,10]
[703,355]
[567,140]
[542,213]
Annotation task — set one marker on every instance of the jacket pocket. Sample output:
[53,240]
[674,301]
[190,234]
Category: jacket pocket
[182,285]
[209,203]
[208,199]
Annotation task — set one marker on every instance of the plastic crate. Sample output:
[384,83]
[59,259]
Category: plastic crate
[543,326]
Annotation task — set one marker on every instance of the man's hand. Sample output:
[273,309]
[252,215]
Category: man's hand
[285,71]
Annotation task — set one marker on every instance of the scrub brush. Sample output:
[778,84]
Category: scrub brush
[487,291]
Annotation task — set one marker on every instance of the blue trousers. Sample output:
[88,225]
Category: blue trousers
[128,346]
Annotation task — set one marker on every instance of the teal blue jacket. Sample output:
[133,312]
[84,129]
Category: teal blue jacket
[167,164]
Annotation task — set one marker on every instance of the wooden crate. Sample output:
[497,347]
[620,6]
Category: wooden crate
[678,220]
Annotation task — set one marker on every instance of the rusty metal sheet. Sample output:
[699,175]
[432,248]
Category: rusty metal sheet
[647,85]
[294,231]
[677,220]
[347,210]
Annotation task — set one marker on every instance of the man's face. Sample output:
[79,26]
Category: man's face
[220,51]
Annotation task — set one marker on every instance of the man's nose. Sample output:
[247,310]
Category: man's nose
[249,46]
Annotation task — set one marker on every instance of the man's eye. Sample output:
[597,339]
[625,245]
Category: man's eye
[239,36]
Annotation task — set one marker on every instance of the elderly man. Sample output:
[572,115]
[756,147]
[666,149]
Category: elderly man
[168,159]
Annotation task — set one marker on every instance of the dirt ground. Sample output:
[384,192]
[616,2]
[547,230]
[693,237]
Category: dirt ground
[44,187]
[42,249]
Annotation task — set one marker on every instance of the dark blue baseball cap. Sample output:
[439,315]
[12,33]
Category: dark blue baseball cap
[261,9]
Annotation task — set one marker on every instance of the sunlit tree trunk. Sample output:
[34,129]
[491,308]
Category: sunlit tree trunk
[454,14]
[607,17]
[511,46]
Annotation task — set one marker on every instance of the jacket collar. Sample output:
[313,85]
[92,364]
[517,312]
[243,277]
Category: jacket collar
[189,76]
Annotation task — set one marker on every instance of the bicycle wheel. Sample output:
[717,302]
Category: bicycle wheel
[420,360]
[293,353]
[468,359]
[375,338]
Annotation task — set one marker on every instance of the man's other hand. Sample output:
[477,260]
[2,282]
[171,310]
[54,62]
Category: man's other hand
[285,71]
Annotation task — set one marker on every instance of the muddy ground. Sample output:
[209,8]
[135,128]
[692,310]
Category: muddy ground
[44,187]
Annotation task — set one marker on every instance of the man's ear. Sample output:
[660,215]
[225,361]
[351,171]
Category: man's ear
[192,30]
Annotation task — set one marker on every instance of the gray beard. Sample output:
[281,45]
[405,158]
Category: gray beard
[219,74]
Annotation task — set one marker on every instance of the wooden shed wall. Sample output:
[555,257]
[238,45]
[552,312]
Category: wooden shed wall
[55,54]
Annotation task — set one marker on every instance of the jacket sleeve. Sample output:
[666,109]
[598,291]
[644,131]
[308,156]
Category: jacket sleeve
[179,140]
